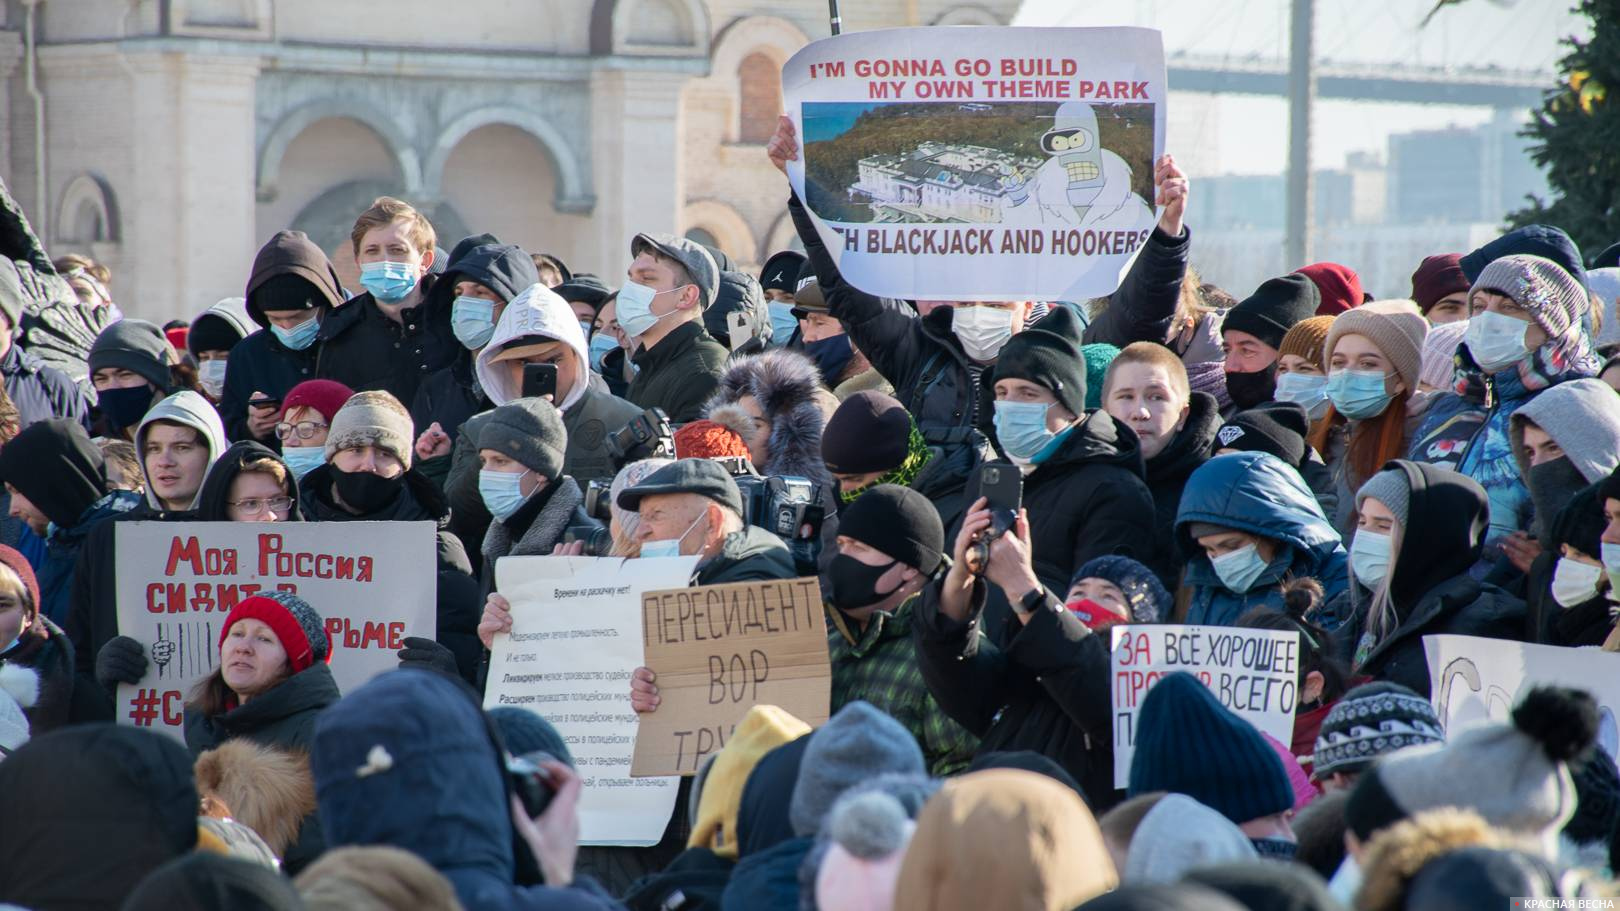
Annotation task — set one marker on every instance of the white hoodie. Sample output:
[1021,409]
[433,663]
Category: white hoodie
[537,311]
[191,410]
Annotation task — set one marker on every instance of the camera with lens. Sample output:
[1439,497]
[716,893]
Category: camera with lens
[786,506]
[532,782]
[599,500]
[598,539]
[647,436]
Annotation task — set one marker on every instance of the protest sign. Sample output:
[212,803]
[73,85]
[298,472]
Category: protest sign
[1253,672]
[373,583]
[983,163]
[1474,679]
[575,639]
[719,650]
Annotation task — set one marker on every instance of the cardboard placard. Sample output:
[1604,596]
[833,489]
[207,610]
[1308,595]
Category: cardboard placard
[982,163]
[1254,672]
[575,639]
[719,650]
[373,583]
[1474,680]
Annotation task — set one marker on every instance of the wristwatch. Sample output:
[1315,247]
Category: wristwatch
[1031,601]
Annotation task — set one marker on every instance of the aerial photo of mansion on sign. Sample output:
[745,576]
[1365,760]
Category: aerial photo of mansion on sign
[944,182]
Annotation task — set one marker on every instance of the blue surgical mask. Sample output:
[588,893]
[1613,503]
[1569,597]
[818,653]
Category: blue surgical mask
[472,319]
[502,492]
[668,547]
[1496,341]
[1369,557]
[302,460]
[1021,428]
[635,308]
[1359,394]
[783,323]
[587,327]
[831,355]
[388,282]
[1305,390]
[10,645]
[300,336]
[1238,569]
[601,344]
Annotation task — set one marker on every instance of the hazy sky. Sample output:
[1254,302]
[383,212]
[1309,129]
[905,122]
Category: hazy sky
[1247,134]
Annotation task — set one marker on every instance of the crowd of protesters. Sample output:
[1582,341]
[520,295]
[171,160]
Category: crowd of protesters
[1298,457]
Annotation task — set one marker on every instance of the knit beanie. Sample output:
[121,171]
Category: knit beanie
[1395,326]
[861,867]
[857,743]
[1515,775]
[1098,356]
[529,432]
[764,728]
[1179,834]
[1339,286]
[1308,339]
[707,439]
[324,397]
[867,433]
[1209,378]
[17,563]
[899,522]
[1391,488]
[1278,305]
[1278,428]
[302,634]
[1304,791]
[1580,524]
[372,419]
[524,731]
[138,346]
[1188,743]
[1544,241]
[1147,597]
[1371,720]
[1439,358]
[1437,277]
[1048,355]
[1552,297]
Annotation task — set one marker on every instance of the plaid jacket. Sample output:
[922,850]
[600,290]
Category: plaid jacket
[879,664]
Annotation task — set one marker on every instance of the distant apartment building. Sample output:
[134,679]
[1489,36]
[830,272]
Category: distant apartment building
[948,182]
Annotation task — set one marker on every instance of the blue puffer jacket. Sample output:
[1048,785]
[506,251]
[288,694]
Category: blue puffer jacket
[1260,494]
[440,793]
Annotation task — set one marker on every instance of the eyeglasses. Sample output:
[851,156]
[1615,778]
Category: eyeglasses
[255,506]
[304,429]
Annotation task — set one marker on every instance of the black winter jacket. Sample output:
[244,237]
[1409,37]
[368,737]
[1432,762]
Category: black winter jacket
[363,349]
[1167,475]
[1143,307]
[749,555]
[1461,606]
[1043,686]
[41,392]
[679,374]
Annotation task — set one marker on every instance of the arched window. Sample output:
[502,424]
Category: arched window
[759,81]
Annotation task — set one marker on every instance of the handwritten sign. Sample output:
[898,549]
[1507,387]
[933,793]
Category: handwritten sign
[373,583]
[719,650]
[1475,679]
[1253,672]
[980,164]
[576,637]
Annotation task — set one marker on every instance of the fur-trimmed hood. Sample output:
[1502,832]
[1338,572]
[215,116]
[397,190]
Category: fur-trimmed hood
[269,791]
[1396,855]
[787,387]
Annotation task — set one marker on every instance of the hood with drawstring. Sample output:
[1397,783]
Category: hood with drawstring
[223,320]
[1583,418]
[191,410]
[211,504]
[536,312]
[1259,494]
[502,268]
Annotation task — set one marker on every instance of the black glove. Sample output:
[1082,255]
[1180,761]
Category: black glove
[121,660]
[428,653]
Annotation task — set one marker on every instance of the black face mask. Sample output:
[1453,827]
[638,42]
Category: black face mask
[365,491]
[854,584]
[125,407]
[1273,848]
[1552,485]
[1250,389]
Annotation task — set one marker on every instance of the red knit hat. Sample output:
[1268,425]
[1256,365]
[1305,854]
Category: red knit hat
[325,396]
[706,439]
[18,563]
[177,337]
[1340,287]
[302,634]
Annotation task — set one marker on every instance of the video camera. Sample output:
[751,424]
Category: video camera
[647,436]
[786,506]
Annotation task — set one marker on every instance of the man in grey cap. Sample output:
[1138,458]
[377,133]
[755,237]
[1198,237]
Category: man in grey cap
[692,507]
[670,283]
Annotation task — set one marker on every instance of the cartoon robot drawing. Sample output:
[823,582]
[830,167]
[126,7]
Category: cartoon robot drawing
[1081,184]
[1072,141]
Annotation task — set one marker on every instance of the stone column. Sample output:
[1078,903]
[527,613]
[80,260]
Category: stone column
[636,127]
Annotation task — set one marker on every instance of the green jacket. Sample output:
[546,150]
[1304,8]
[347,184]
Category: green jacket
[679,373]
[879,664]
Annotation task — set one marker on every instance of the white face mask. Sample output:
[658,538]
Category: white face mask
[1574,582]
[982,330]
[211,374]
[1496,341]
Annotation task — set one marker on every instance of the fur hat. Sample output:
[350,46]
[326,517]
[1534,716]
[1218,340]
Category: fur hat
[19,690]
[372,419]
[784,383]
[265,789]
[1398,853]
